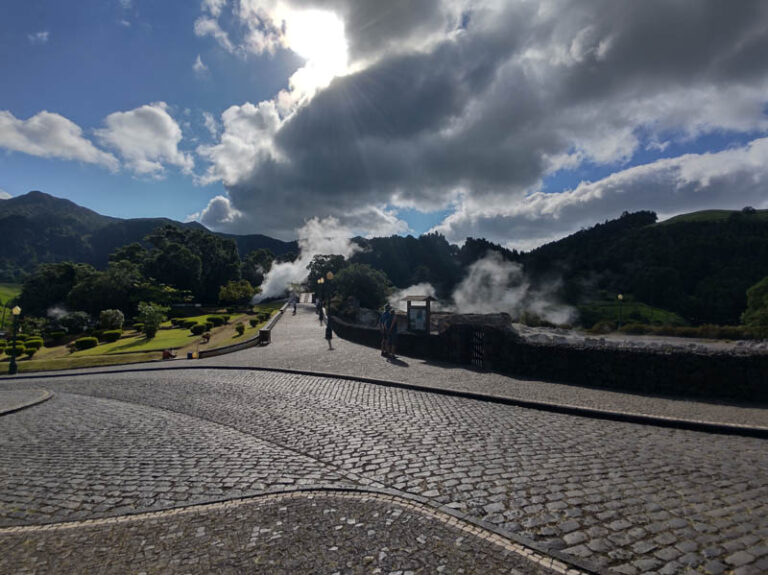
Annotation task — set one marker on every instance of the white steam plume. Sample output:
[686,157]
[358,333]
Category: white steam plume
[317,237]
[56,312]
[424,288]
[496,285]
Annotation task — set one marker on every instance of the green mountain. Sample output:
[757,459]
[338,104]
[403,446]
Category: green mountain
[697,265]
[40,228]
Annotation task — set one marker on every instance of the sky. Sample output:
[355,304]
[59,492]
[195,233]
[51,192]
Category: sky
[520,121]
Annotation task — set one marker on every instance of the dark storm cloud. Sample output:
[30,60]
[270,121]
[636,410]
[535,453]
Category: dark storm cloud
[486,112]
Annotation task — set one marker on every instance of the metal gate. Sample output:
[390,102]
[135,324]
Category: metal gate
[478,349]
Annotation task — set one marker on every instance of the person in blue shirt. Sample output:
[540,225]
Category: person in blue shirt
[388,326]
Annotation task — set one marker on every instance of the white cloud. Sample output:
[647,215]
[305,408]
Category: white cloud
[245,141]
[147,138]
[51,135]
[211,124]
[732,179]
[199,67]
[218,212]
[38,37]
[206,26]
[4,195]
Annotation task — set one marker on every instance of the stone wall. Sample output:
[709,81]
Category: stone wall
[670,372]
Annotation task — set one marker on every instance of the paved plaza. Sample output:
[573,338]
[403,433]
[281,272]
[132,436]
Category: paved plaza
[211,470]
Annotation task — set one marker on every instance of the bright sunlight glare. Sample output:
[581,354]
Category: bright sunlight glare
[318,36]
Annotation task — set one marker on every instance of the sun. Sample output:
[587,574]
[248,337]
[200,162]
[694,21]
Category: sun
[318,36]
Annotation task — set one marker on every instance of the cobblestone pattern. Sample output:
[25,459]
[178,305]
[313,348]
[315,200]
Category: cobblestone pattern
[633,498]
[293,533]
[298,343]
[77,457]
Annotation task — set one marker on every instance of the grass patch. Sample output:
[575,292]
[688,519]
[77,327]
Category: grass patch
[26,366]
[631,312]
[713,216]
[9,291]
[165,339]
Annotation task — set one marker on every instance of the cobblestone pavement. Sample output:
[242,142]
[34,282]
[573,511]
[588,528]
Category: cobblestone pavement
[298,343]
[629,497]
[294,533]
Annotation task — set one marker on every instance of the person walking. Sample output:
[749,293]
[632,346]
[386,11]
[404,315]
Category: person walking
[329,333]
[388,327]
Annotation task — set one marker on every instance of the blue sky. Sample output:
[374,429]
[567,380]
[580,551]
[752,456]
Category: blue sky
[520,122]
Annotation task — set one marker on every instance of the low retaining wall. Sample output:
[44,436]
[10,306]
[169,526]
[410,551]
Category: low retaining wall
[676,372]
[264,337]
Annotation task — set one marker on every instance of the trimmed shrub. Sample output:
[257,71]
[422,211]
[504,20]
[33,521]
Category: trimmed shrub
[208,326]
[111,335]
[31,351]
[21,337]
[57,335]
[111,319]
[197,329]
[18,351]
[253,322]
[138,326]
[240,328]
[215,320]
[226,318]
[86,343]
[33,344]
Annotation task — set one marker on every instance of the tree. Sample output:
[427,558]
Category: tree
[370,286]
[756,313]
[256,265]
[321,265]
[75,322]
[151,315]
[50,284]
[175,265]
[111,319]
[238,292]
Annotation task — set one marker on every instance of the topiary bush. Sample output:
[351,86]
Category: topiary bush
[31,351]
[138,326]
[197,329]
[111,319]
[17,351]
[240,328]
[215,320]
[56,336]
[86,343]
[208,326]
[33,344]
[226,318]
[111,335]
[253,322]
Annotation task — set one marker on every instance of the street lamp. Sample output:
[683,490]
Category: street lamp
[329,277]
[12,367]
[621,300]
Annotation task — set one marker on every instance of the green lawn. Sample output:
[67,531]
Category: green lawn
[631,312]
[165,339]
[9,291]
[712,216]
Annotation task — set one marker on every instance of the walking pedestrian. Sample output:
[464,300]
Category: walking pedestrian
[329,333]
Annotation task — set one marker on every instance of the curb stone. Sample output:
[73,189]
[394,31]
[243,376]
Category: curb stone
[549,558]
[621,416]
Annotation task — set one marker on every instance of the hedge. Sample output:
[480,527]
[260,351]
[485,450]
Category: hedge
[208,326]
[20,350]
[253,322]
[240,328]
[138,326]
[197,329]
[57,335]
[111,335]
[33,344]
[86,343]
[187,323]
[225,318]
[216,320]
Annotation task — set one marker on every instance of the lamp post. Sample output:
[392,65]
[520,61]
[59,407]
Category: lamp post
[12,367]
[621,300]
[329,277]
